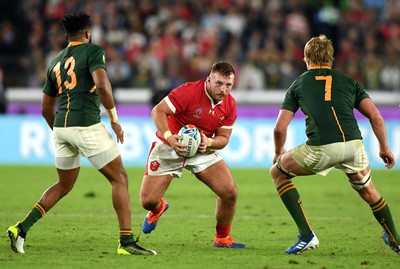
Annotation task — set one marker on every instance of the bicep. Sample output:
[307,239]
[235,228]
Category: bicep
[283,120]
[48,102]
[162,108]
[368,108]
[100,78]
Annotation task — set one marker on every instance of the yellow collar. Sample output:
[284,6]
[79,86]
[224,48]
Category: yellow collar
[320,66]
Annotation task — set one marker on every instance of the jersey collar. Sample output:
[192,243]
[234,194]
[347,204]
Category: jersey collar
[74,43]
[209,97]
[320,66]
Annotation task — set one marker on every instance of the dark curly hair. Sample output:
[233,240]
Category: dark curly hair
[75,22]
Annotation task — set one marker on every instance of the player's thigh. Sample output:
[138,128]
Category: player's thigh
[153,188]
[355,163]
[68,177]
[359,176]
[113,169]
[107,161]
[67,155]
[291,165]
[94,140]
[163,160]
[219,179]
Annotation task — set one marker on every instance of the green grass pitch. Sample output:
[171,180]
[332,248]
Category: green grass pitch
[82,231]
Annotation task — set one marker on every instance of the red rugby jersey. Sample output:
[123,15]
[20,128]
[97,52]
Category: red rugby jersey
[192,105]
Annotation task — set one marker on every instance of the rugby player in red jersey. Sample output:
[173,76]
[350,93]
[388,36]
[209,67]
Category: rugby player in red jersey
[207,104]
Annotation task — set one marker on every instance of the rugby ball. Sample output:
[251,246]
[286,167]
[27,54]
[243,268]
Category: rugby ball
[191,137]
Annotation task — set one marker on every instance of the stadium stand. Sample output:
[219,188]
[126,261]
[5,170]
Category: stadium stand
[156,45]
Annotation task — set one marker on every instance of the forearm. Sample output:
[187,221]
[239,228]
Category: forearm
[217,142]
[279,142]
[49,117]
[48,109]
[106,97]
[107,100]
[379,129]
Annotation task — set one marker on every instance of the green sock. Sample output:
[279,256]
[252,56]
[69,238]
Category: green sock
[125,236]
[292,201]
[37,212]
[382,214]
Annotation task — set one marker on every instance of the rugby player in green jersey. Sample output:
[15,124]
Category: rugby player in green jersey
[327,98]
[77,82]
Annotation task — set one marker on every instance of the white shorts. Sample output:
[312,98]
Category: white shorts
[94,142]
[163,160]
[350,157]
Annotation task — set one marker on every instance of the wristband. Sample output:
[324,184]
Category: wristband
[210,141]
[112,113]
[167,134]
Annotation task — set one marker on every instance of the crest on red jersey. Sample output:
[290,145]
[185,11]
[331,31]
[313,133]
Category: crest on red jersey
[154,165]
[198,112]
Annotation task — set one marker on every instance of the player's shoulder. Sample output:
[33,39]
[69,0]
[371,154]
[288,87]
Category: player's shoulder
[91,45]
[94,47]
[230,98]
[191,86]
[344,78]
[199,84]
[56,59]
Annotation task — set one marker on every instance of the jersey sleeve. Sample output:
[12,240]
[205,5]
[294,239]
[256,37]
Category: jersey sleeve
[49,88]
[178,97]
[96,58]
[361,94]
[290,102]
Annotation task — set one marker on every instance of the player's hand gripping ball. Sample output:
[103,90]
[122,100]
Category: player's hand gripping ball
[191,137]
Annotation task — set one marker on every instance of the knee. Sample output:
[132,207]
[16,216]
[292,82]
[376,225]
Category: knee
[120,177]
[148,202]
[360,181]
[230,195]
[274,173]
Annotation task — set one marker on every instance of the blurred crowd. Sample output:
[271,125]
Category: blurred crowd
[158,44]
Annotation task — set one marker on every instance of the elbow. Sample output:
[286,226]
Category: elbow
[101,89]
[45,111]
[48,114]
[156,111]
[279,132]
[153,112]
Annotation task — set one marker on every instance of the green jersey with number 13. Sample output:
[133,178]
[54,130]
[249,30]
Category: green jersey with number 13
[69,78]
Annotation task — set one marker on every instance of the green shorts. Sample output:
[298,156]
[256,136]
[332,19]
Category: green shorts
[350,157]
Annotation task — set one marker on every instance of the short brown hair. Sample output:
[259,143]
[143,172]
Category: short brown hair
[224,68]
[319,51]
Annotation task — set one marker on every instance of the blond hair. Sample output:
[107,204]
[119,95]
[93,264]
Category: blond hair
[319,51]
